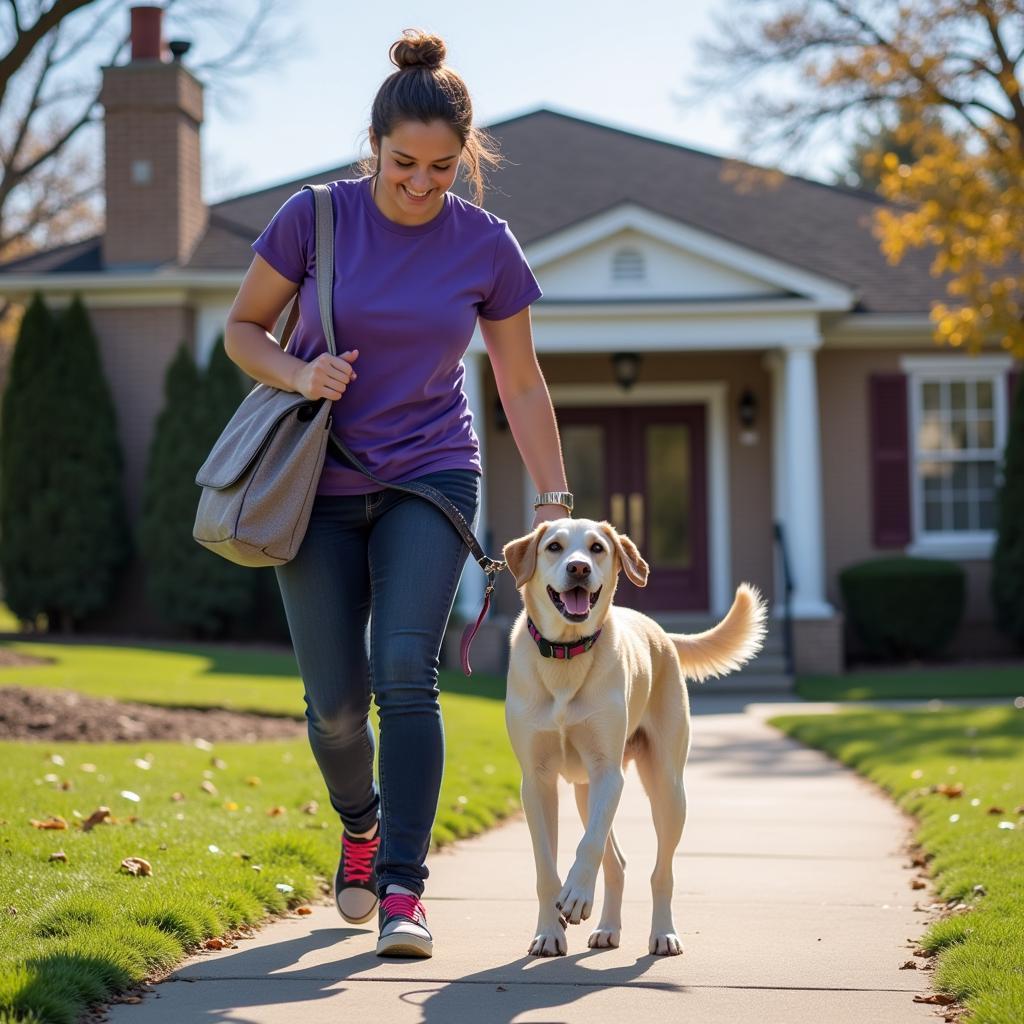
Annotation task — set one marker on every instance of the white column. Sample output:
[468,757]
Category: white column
[470,596]
[798,481]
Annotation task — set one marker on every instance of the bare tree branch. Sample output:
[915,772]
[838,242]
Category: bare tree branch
[27,38]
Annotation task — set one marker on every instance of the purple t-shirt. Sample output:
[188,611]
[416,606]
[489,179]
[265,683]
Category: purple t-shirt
[408,297]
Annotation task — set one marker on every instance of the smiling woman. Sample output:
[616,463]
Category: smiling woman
[417,268]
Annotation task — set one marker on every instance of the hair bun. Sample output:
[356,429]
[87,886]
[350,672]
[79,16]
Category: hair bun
[418,49]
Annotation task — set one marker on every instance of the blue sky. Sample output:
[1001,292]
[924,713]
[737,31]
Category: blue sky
[617,63]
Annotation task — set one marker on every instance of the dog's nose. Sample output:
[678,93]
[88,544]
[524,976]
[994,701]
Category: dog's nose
[578,570]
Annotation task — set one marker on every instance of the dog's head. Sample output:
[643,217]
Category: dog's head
[567,570]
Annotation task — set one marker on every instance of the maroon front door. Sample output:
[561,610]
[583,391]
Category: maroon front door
[644,470]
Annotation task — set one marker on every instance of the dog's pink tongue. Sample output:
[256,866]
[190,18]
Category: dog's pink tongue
[576,601]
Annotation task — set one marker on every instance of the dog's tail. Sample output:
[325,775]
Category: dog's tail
[729,645]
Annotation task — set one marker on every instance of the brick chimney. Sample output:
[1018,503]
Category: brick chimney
[154,107]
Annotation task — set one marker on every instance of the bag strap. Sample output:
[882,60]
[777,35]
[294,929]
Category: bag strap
[324,232]
[325,294]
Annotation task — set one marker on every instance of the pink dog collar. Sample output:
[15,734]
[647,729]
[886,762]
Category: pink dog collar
[562,651]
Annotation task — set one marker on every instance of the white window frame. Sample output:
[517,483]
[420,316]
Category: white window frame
[976,544]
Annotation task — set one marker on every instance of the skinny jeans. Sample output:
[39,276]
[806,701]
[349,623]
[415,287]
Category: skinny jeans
[391,561]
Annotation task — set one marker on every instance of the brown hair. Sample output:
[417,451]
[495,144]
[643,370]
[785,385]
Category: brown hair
[425,89]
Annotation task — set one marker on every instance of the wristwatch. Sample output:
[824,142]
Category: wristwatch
[553,498]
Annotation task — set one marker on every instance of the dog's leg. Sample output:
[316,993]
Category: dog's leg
[540,802]
[663,783]
[609,928]
[577,896]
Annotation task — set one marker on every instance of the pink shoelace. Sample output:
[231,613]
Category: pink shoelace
[357,858]
[403,905]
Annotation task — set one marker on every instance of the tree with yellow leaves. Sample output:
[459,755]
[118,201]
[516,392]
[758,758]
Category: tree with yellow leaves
[943,76]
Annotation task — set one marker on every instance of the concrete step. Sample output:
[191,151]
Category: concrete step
[746,682]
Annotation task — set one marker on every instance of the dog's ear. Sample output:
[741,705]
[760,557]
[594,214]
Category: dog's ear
[521,555]
[632,563]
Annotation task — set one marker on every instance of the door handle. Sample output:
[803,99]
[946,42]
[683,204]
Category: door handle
[619,511]
[636,518]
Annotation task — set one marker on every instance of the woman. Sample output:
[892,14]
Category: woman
[415,266]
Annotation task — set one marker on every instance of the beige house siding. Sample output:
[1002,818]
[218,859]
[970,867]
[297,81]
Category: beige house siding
[749,484]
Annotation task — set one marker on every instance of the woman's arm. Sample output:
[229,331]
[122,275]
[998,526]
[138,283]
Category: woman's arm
[527,404]
[248,341]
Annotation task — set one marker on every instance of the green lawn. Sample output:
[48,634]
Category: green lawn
[915,683]
[980,951]
[74,932]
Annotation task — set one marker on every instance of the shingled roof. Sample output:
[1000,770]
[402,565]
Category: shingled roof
[562,170]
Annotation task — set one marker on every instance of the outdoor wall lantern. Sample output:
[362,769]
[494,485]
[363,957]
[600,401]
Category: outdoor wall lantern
[626,368]
[747,409]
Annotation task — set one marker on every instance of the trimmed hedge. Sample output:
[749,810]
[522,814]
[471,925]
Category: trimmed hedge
[904,607]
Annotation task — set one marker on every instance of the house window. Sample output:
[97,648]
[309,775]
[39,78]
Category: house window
[628,265]
[959,431]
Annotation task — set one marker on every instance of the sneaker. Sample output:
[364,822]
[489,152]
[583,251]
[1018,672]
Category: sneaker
[355,881]
[403,927]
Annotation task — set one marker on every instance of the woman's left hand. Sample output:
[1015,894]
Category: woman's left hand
[546,513]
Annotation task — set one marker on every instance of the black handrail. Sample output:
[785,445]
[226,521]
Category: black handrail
[787,581]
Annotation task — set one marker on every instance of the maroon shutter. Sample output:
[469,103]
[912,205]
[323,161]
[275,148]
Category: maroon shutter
[890,460]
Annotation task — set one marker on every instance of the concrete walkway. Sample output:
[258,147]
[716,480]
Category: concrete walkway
[792,899]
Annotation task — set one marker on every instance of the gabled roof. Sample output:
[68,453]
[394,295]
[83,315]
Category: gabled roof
[561,170]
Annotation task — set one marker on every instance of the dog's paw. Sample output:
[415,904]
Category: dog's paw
[549,942]
[604,938]
[576,900]
[666,944]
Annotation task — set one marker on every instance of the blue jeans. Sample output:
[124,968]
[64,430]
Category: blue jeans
[394,560]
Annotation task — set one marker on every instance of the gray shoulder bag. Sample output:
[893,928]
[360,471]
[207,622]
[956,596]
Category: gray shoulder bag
[261,475]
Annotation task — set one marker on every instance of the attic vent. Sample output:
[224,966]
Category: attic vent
[628,265]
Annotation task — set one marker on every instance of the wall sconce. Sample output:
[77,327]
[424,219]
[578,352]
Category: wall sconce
[626,368]
[747,408]
[500,419]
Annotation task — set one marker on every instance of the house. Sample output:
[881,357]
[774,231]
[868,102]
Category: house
[737,371]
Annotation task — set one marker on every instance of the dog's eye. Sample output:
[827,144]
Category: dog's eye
[596,549]
[554,546]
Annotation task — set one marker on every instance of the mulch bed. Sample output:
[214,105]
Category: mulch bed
[47,714]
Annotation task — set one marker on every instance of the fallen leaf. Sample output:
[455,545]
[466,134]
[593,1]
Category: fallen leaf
[59,855]
[304,910]
[208,787]
[54,821]
[215,943]
[284,887]
[276,812]
[938,999]
[129,795]
[254,780]
[97,816]
[177,797]
[949,789]
[87,767]
[909,966]
[57,759]
[230,805]
[311,808]
[916,883]
[136,866]
[995,810]
[218,763]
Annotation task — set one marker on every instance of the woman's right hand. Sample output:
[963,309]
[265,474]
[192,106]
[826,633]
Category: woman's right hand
[326,376]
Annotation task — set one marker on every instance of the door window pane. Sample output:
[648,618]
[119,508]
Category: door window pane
[668,496]
[583,451]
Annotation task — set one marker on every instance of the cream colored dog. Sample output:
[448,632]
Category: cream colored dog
[585,716]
